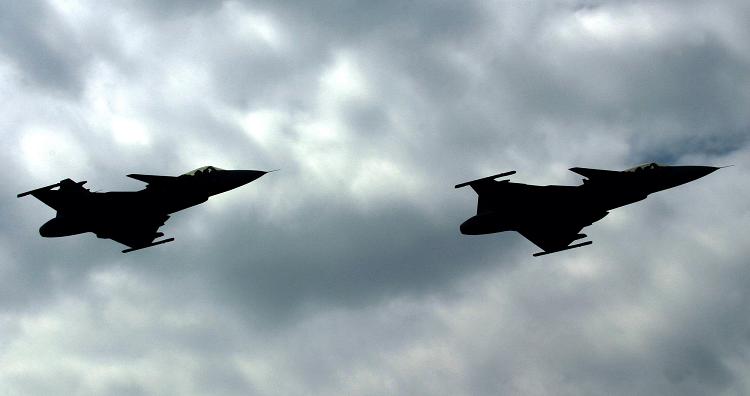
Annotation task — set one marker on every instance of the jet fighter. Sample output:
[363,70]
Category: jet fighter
[133,218]
[552,216]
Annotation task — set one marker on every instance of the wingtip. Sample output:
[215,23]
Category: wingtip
[51,186]
[484,179]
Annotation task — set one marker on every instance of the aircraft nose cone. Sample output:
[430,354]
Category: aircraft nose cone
[678,175]
[226,180]
[696,172]
[246,176]
[710,169]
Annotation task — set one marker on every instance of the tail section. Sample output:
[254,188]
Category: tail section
[51,197]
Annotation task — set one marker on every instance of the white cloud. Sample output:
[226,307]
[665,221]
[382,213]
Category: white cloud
[129,131]
[46,150]
[254,26]
[342,81]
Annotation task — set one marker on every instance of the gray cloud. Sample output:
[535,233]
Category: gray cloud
[44,50]
[344,273]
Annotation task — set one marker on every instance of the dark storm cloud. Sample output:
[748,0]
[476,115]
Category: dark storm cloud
[344,273]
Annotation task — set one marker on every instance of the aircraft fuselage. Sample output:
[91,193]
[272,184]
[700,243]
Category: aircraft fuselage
[133,217]
[542,213]
[88,211]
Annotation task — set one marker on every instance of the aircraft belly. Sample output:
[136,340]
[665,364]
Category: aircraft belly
[602,198]
[623,200]
[172,205]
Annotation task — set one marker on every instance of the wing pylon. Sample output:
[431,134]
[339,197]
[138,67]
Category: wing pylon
[132,249]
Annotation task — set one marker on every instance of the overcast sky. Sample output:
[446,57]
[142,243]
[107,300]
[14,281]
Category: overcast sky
[345,273]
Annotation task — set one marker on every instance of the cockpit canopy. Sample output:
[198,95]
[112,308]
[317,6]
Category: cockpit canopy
[652,165]
[202,170]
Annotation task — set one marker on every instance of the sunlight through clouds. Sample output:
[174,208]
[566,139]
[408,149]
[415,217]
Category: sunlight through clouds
[343,81]
[47,150]
[253,25]
[129,132]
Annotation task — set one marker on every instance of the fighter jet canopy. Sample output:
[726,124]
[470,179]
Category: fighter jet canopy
[652,165]
[201,170]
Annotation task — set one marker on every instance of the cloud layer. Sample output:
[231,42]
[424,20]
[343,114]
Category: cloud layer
[345,273]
